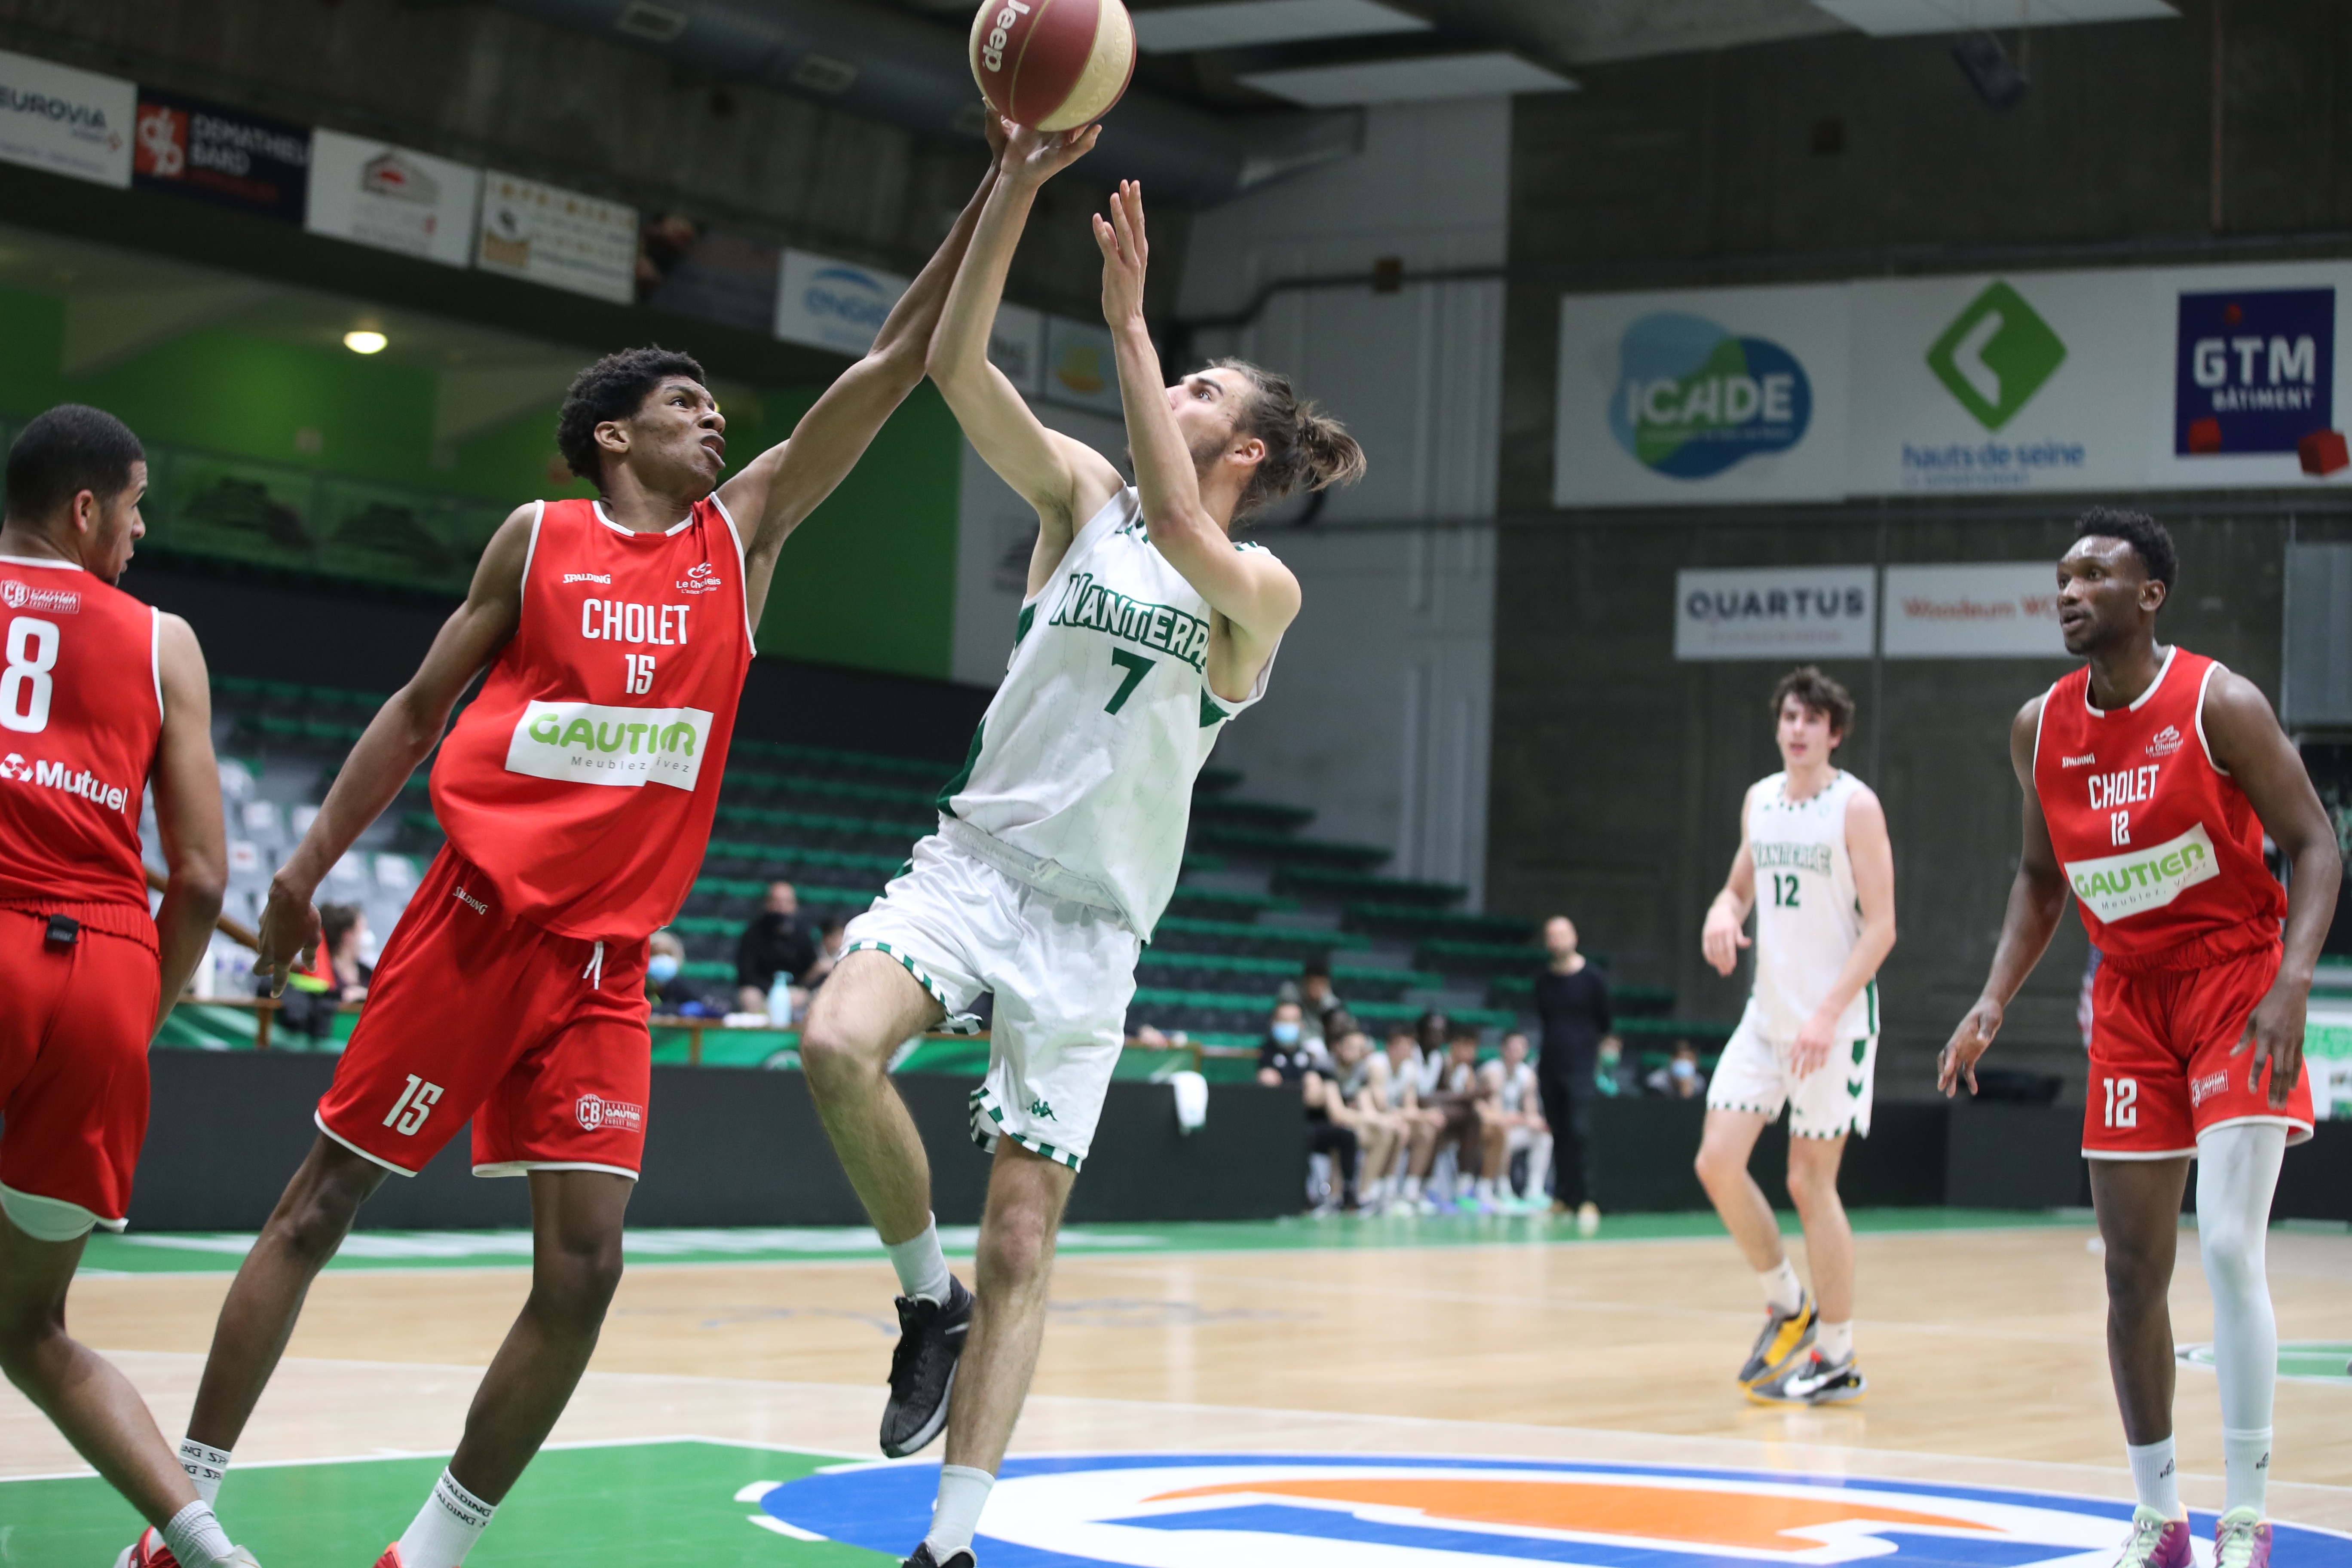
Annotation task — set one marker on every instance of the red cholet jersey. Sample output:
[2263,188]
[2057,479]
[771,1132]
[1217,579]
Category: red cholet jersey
[81,713]
[2160,846]
[582,780]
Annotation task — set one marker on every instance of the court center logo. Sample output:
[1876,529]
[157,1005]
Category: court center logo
[1996,354]
[1218,1510]
[1692,399]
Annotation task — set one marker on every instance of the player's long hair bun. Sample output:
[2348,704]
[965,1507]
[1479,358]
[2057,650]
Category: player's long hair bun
[1303,444]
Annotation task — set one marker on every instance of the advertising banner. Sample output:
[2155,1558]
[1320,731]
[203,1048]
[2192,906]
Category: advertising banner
[714,274]
[393,199]
[198,149]
[2001,609]
[2254,360]
[1017,345]
[1683,399]
[66,121]
[830,304]
[1081,368]
[582,244]
[2036,382]
[1776,612]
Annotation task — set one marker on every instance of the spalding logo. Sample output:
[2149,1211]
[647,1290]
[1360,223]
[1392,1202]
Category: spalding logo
[1215,1511]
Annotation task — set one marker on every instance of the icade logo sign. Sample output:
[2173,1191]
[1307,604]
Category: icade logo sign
[1692,399]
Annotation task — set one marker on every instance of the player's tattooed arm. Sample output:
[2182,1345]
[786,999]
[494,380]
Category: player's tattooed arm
[401,736]
[778,490]
[2037,897]
[2247,742]
[1255,596]
[1064,480]
[187,812]
[1726,930]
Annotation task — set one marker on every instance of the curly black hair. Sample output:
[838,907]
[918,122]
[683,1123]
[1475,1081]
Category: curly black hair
[613,388]
[2149,540]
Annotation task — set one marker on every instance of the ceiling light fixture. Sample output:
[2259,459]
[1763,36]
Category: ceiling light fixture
[364,341]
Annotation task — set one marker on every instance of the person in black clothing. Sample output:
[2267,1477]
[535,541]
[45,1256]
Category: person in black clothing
[777,942]
[1287,1056]
[1572,1000]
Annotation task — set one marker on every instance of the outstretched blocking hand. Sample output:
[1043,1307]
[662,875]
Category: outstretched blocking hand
[1958,1060]
[290,933]
[2274,1035]
[1032,157]
[1126,253]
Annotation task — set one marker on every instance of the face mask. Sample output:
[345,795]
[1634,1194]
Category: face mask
[661,968]
[1684,1068]
[1285,1033]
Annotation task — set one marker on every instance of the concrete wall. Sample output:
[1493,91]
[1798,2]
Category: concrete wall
[1618,772]
[1378,714]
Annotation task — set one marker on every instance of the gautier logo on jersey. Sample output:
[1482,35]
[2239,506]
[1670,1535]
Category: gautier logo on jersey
[18,595]
[583,743]
[1216,1510]
[1692,399]
[2121,885]
[1171,631]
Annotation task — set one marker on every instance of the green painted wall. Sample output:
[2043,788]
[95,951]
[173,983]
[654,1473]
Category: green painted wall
[868,581]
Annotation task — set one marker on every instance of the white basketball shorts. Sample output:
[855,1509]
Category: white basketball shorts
[1063,974]
[1831,1100]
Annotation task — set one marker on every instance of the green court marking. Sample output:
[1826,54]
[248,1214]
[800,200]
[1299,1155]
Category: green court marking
[620,1505]
[2305,1360]
[220,1253]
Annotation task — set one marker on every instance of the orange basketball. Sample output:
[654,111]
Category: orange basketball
[1053,64]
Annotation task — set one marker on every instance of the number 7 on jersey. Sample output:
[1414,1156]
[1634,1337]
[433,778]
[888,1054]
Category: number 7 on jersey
[1137,668]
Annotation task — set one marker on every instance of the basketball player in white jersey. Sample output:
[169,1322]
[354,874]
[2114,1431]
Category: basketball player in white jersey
[1146,628]
[1815,865]
[1518,1100]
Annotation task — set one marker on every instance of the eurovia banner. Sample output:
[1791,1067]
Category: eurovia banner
[1734,394]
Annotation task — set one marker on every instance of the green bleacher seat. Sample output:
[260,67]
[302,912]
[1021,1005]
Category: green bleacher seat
[1456,955]
[423,821]
[1633,1000]
[1187,934]
[883,865]
[1259,814]
[1697,1032]
[1216,781]
[1156,960]
[708,968]
[1329,882]
[823,894]
[1273,845]
[1226,900]
[1426,923]
[851,761]
[919,802]
[807,822]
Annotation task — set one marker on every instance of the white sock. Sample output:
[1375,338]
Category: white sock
[2156,1479]
[2245,1468]
[1781,1290]
[1834,1341]
[1413,1186]
[451,1521]
[196,1538]
[922,1266]
[206,1465]
[1485,1189]
[963,1491]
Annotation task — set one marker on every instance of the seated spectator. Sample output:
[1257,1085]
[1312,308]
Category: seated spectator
[829,944]
[777,942]
[1681,1077]
[1285,1057]
[1518,1100]
[1392,1085]
[318,991]
[1343,1097]
[1611,1074]
[1464,1100]
[1317,1000]
[666,986]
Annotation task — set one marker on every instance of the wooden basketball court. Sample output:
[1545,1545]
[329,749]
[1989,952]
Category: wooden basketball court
[1982,1337]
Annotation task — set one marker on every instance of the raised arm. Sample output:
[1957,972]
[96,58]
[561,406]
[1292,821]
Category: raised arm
[1066,481]
[1725,932]
[778,489]
[2249,745]
[402,735]
[2036,899]
[1251,590]
[1872,856]
[187,812]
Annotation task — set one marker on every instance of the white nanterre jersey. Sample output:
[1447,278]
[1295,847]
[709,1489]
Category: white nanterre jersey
[1808,917]
[1079,781]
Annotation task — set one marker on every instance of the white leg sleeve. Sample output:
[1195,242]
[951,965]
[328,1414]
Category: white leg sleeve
[2237,1172]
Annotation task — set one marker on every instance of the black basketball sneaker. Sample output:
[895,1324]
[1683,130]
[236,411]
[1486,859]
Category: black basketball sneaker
[923,1369]
[923,1559]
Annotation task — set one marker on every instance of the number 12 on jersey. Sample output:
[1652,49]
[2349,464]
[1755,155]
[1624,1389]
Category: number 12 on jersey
[1784,889]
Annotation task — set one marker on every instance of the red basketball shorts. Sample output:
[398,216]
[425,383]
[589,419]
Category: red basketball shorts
[2161,1071]
[541,1039]
[75,1021]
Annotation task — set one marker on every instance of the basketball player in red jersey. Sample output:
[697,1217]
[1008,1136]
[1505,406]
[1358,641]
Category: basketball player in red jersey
[101,698]
[2150,776]
[577,791]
